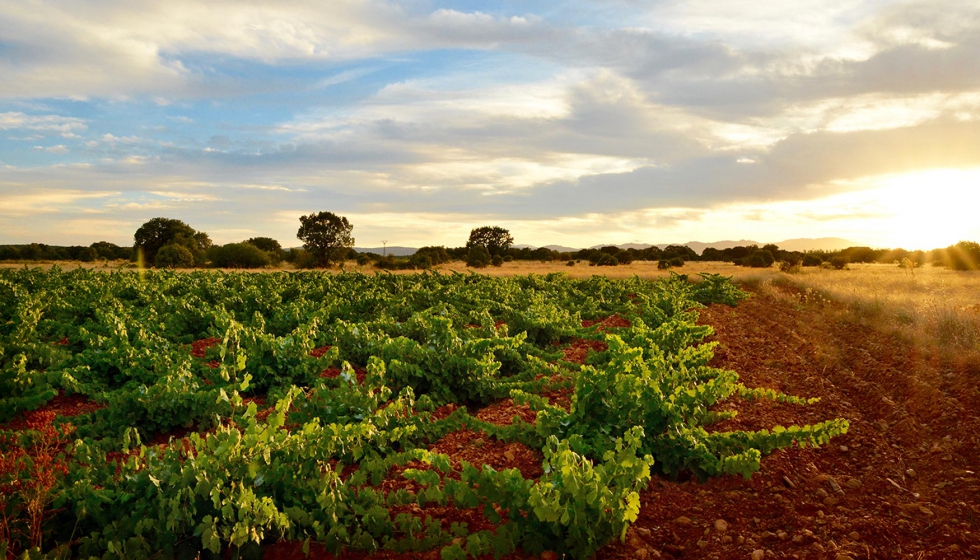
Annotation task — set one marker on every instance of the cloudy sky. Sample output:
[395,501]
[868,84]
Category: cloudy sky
[568,122]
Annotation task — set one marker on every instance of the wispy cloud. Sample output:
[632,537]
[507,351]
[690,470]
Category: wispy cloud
[632,120]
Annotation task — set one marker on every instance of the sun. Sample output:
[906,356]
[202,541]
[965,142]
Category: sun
[929,209]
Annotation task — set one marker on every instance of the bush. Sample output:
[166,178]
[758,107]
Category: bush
[431,255]
[570,263]
[363,259]
[663,264]
[812,260]
[478,257]
[422,262]
[624,257]
[607,260]
[174,256]
[838,262]
[676,261]
[965,255]
[789,267]
[760,258]
[270,246]
[497,260]
[239,255]
[88,254]
[302,258]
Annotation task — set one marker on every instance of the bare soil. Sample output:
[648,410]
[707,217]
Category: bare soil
[901,484]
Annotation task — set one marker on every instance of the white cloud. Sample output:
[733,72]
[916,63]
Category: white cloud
[48,123]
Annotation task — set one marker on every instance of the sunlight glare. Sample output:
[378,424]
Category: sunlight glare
[930,209]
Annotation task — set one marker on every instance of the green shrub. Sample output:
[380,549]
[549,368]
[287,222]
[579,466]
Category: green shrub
[478,257]
[838,262]
[789,267]
[570,263]
[497,260]
[676,261]
[663,264]
[239,255]
[174,256]
[607,260]
[760,258]
[87,254]
[812,260]
[363,259]
[422,262]
[965,255]
[302,258]
[624,257]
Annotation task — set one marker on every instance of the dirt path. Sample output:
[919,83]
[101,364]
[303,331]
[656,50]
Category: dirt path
[900,484]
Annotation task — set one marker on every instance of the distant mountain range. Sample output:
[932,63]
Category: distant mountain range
[393,250]
[802,244]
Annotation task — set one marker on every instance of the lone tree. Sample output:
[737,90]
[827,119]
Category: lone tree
[160,232]
[326,236]
[495,239]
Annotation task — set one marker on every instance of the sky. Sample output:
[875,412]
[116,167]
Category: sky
[568,122]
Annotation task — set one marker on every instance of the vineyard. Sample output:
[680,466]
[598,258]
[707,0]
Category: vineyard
[172,415]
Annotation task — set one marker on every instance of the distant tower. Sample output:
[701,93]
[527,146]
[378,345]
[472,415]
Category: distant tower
[384,245]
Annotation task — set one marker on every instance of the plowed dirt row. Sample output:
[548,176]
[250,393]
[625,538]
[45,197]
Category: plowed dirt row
[900,484]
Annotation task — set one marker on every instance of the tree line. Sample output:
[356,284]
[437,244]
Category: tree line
[327,240]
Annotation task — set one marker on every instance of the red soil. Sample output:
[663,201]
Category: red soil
[62,405]
[333,373]
[900,484]
[200,347]
[610,322]
[318,352]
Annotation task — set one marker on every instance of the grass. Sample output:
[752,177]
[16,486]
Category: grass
[934,308]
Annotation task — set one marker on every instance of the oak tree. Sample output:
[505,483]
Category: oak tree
[326,236]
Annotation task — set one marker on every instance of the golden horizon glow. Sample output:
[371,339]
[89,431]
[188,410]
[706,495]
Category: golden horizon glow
[931,209]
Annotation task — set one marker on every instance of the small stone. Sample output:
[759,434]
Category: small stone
[844,557]
[758,554]
[910,473]
[721,525]
[782,535]
[830,501]
[683,520]
[509,455]
[854,483]
[836,487]
[843,449]
[854,536]
[797,539]
[643,531]
[821,493]
[549,555]
[726,539]
[702,543]
[789,483]
[641,553]
[740,540]
[925,511]
[478,442]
